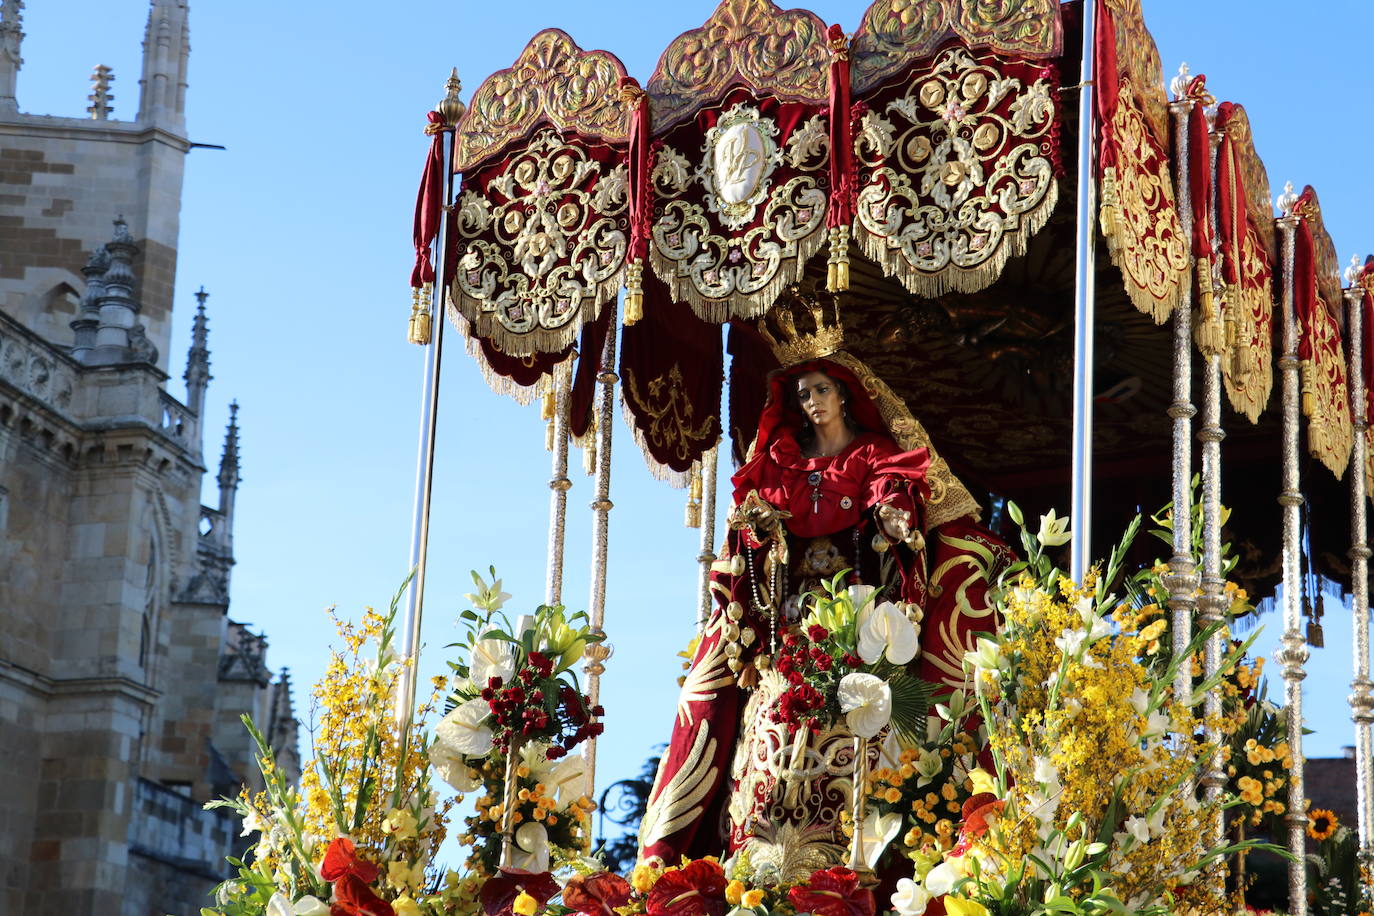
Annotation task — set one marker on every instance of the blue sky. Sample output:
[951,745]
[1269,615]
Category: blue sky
[300,231]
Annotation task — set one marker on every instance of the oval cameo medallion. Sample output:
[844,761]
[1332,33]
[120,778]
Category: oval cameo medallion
[739,160]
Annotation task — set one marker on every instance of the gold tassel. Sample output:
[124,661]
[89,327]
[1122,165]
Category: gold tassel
[1109,213]
[418,331]
[837,268]
[589,447]
[693,517]
[1309,390]
[634,291]
[1207,327]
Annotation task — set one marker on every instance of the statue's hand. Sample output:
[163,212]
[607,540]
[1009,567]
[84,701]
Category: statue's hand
[896,524]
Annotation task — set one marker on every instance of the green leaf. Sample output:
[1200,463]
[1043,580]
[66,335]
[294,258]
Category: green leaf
[911,699]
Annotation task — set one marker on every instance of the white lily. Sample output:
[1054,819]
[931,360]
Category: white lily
[866,699]
[491,658]
[910,899]
[1053,531]
[928,766]
[884,630]
[879,831]
[531,847]
[462,730]
[487,598]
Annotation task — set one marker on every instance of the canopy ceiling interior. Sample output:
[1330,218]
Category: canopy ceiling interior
[938,214]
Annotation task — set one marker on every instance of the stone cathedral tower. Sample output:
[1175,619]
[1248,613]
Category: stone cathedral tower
[122,677]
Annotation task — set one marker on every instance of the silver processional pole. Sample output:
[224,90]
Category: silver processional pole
[1085,275]
[451,110]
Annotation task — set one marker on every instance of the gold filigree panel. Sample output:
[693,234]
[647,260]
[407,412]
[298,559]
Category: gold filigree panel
[1140,215]
[1325,396]
[552,80]
[893,33]
[541,246]
[957,173]
[745,42]
[1138,57]
[1248,311]
[1254,178]
[735,229]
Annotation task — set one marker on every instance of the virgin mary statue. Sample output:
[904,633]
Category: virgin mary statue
[839,477]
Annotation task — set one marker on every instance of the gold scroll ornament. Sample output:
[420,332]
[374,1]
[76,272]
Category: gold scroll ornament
[540,255]
[958,177]
[1325,395]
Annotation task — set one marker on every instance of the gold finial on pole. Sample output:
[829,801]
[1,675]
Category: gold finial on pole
[451,107]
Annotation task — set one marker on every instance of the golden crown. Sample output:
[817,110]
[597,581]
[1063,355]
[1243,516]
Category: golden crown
[802,326]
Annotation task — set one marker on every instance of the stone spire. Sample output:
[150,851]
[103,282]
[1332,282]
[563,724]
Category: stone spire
[197,374]
[11,37]
[88,321]
[229,474]
[118,308]
[166,47]
[101,96]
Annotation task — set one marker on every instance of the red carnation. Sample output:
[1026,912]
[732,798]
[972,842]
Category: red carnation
[595,895]
[696,890]
[833,892]
[499,893]
[341,859]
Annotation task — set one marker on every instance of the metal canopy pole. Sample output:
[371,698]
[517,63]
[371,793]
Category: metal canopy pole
[1085,276]
[709,472]
[451,109]
[1362,697]
[561,380]
[1293,653]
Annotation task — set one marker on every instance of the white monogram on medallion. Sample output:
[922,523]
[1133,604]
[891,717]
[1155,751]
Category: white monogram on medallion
[740,155]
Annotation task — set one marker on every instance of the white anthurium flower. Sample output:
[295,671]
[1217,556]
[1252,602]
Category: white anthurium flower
[531,847]
[941,879]
[890,751]
[310,905]
[449,764]
[491,658]
[879,831]
[462,730]
[884,630]
[279,905]
[569,777]
[1054,531]
[910,899]
[866,700]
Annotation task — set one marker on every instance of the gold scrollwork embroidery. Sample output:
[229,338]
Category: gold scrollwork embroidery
[775,52]
[671,414]
[895,32]
[963,182]
[552,79]
[727,275]
[1248,312]
[540,252]
[1325,397]
[1140,218]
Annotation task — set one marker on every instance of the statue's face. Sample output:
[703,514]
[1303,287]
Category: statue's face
[819,399]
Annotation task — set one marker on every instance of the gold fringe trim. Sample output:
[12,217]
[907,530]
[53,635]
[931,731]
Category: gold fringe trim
[952,278]
[790,270]
[540,340]
[498,383]
[1113,226]
[1248,370]
[418,330]
[678,480]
